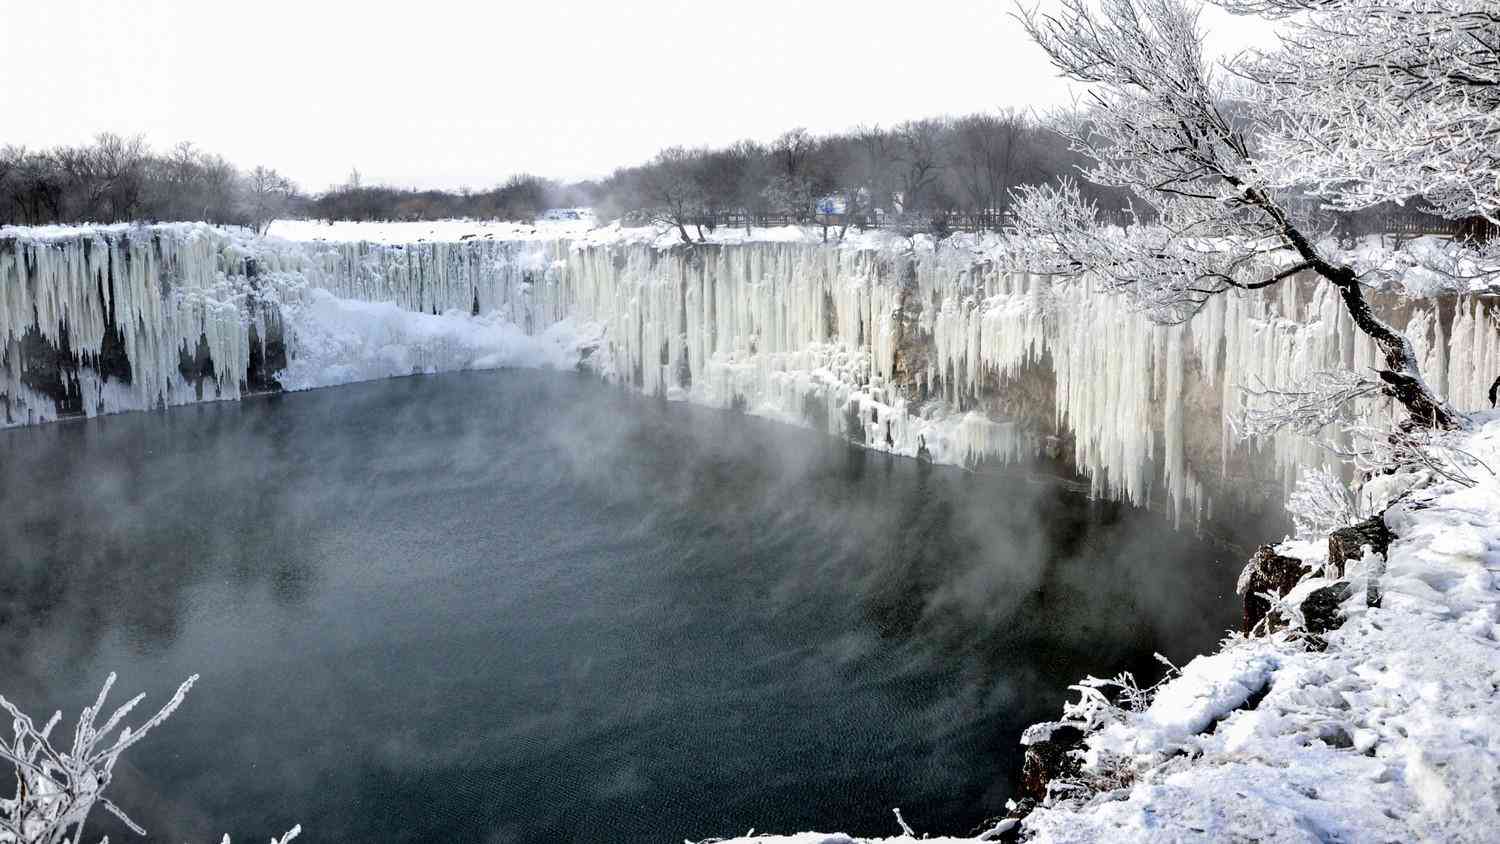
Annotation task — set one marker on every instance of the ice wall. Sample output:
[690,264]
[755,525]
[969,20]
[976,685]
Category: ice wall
[119,319]
[933,351]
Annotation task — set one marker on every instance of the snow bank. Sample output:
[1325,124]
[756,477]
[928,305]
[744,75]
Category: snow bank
[1209,688]
[340,341]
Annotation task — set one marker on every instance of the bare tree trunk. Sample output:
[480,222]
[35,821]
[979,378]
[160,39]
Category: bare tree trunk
[1403,377]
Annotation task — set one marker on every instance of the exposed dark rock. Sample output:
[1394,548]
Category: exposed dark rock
[1009,827]
[1320,609]
[1049,759]
[1334,735]
[197,365]
[1348,543]
[52,370]
[275,344]
[259,376]
[1270,572]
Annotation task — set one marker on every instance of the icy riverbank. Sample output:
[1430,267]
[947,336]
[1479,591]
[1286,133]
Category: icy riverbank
[1390,734]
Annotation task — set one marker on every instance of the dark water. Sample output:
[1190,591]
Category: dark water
[523,606]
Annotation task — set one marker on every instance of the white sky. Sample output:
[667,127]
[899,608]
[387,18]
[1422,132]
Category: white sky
[441,93]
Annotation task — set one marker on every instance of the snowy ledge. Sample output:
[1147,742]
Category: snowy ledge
[1415,264]
[1412,267]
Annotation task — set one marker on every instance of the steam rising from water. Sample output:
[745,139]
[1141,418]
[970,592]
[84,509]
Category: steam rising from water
[523,606]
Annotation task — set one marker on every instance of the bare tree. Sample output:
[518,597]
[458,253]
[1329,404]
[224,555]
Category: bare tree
[1154,127]
[670,185]
[719,174]
[268,194]
[36,191]
[791,189]
[986,159]
[749,192]
[876,163]
[919,154]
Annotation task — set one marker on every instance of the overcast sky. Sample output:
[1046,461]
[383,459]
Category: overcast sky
[441,93]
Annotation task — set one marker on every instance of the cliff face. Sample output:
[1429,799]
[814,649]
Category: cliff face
[926,351]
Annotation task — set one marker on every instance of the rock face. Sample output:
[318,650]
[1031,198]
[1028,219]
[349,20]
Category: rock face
[1049,758]
[1321,608]
[1267,571]
[1348,543]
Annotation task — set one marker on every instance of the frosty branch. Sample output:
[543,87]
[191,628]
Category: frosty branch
[57,786]
[1210,219]
[1381,101]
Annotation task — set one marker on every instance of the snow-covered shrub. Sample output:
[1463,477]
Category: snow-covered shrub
[57,789]
[1097,708]
[1322,503]
[1376,451]
[1103,702]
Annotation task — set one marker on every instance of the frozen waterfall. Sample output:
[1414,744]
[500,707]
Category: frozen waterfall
[928,350]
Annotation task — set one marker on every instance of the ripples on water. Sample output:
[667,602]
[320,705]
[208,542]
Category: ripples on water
[521,606]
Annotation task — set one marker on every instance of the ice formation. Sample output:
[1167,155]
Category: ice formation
[900,345]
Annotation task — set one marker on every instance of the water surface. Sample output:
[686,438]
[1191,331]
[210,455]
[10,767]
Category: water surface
[522,606]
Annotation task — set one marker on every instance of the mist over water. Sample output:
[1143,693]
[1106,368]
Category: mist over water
[522,606]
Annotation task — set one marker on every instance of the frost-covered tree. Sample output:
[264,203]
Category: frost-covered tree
[268,194]
[1156,125]
[1381,101]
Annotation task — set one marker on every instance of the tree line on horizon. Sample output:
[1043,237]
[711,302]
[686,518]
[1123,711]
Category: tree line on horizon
[933,174]
[116,178]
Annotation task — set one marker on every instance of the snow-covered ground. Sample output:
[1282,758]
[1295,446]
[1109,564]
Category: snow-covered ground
[584,232]
[1391,734]
[434,231]
[340,341]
